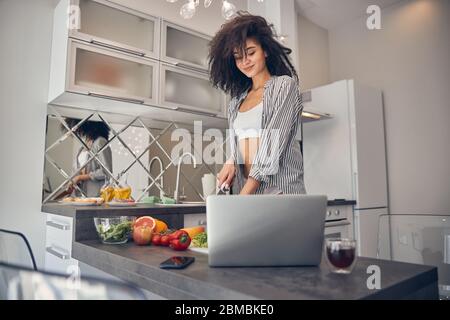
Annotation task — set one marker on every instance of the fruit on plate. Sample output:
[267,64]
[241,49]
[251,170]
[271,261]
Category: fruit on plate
[193,231]
[83,200]
[145,221]
[142,235]
[160,226]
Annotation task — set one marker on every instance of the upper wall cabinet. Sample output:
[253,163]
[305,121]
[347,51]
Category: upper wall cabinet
[183,89]
[95,70]
[184,47]
[110,25]
[111,63]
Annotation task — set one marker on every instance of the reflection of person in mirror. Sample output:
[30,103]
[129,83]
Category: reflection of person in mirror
[249,63]
[91,175]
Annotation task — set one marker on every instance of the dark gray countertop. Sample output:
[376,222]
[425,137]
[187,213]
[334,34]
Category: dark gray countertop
[107,211]
[140,265]
[139,209]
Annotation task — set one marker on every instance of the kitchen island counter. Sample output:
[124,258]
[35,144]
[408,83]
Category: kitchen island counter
[140,209]
[140,266]
[83,223]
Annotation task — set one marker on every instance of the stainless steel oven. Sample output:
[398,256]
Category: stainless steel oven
[338,222]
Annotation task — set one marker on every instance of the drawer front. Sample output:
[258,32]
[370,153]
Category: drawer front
[59,260]
[59,231]
[340,229]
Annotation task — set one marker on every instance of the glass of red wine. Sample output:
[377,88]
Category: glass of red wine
[340,254]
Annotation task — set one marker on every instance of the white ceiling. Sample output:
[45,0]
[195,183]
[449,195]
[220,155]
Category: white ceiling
[332,13]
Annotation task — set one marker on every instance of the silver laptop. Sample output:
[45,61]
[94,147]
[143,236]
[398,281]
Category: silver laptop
[265,230]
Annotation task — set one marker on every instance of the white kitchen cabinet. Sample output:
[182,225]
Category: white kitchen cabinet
[114,26]
[183,47]
[58,250]
[88,76]
[58,244]
[94,70]
[184,89]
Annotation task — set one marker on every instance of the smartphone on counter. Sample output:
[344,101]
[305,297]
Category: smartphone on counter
[177,263]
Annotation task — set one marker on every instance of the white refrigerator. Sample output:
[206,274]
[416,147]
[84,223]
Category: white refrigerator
[345,157]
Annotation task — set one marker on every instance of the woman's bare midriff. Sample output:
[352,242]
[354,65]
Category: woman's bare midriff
[248,148]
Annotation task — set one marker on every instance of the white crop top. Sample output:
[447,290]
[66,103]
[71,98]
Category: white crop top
[248,124]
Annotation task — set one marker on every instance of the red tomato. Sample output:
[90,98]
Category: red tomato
[165,240]
[156,239]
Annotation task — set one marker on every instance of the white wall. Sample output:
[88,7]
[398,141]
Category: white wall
[409,59]
[25,35]
[313,54]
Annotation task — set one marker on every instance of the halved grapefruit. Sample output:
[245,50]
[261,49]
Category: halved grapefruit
[145,221]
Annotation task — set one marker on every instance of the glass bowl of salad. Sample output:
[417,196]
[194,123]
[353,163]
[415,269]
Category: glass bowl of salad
[114,230]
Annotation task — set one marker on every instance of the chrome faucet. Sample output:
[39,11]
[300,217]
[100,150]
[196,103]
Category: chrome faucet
[180,160]
[161,190]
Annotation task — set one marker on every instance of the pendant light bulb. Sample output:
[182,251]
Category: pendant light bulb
[187,10]
[228,9]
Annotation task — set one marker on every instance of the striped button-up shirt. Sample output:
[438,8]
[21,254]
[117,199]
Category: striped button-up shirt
[278,162]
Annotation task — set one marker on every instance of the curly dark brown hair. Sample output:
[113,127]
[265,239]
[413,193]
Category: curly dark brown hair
[89,129]
[232,35]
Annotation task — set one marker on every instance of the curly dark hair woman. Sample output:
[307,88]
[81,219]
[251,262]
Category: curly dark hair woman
[89,129]
[247,62]
[91,175]
[232,37]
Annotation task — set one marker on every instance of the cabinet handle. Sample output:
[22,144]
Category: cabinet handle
[187,66]
[447,249]
[336,223]
[203,113]
[58,225]
[57,253]
[99,95]
[111,46]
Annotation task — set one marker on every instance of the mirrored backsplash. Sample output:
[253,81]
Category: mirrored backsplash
[87,152]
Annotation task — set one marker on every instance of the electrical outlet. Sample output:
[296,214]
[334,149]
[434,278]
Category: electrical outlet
[403,239]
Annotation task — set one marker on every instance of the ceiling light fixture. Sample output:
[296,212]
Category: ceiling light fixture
[188,9]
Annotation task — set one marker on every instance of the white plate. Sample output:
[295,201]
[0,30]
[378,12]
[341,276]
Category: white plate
[182,204]
[81,204]
[199,250]
[122,204]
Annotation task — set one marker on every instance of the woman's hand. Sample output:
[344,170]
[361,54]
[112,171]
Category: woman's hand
[250,186]
[70,188]
[226,175]
[81,177]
